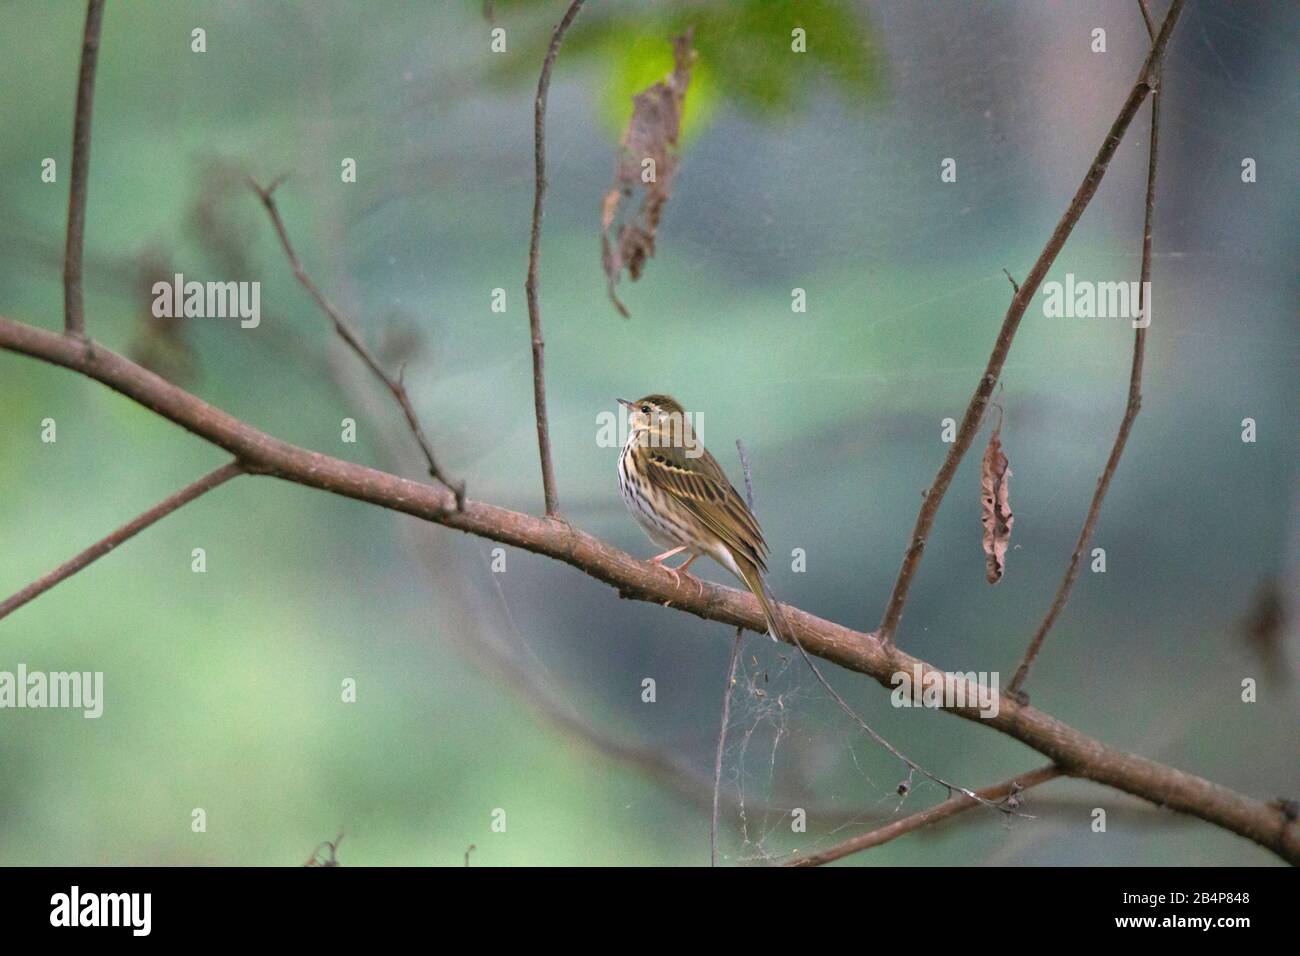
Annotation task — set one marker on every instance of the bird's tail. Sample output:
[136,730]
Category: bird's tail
[753,579]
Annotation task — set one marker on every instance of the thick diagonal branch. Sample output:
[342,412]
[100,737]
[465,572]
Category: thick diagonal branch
[1131,407]
[128,530]
[534,256]
[394,385]
[924,818]
[1074,752]
[1019,303]
[74,312]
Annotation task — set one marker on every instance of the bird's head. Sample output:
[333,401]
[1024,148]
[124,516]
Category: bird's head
[659,417]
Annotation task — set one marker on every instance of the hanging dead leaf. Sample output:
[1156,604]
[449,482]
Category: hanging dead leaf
[995,498]
[647,158]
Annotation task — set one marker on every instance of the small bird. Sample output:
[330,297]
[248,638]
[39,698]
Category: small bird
[682,498]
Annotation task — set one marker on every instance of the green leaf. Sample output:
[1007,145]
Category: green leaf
[745,52]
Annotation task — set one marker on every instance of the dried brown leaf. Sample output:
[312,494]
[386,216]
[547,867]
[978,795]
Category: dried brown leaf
[995,496]
[651,134]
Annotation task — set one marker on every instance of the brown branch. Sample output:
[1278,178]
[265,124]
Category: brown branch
[1073,751]
[127,531]
[1015,312]
[534,255]
[923,818]
[74,312]
[394,385]
[1131,408]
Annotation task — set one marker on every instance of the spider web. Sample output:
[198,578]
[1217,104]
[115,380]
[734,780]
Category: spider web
[786,741]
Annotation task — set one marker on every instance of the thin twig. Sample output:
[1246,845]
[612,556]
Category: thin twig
[1131,408]
[534,255]
[345,332]
[1015,312]
[74,312]
[722,739]
[128,530]
[924,818]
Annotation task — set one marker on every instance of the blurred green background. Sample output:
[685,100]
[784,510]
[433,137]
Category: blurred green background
[818,171]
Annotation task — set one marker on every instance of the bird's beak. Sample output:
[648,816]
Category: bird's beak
[624,402]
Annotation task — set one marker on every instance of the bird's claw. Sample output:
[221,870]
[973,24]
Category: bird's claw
[678,574]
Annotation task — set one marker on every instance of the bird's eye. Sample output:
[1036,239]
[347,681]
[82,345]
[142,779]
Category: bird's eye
[645,409]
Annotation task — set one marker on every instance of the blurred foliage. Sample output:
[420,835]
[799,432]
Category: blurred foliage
[744,53]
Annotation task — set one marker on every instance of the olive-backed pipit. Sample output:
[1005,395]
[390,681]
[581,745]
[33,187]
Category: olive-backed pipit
[682,498]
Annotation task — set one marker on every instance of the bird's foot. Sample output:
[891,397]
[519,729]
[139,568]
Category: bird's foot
[679,573]
[698,583]
[681,570]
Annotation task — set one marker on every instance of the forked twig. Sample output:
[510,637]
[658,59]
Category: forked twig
[1015,312]
[997,794]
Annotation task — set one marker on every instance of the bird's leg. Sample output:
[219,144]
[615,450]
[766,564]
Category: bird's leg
[683,570]
[661,558]
[678,571]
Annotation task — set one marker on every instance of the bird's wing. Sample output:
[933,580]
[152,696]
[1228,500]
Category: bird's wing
[699,484]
